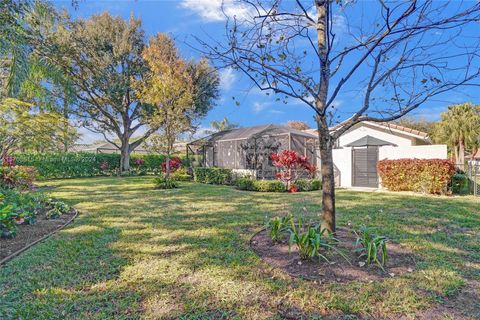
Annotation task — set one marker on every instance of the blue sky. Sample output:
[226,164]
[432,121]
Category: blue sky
[186,18]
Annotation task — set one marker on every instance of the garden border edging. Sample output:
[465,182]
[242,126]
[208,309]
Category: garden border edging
[18,252]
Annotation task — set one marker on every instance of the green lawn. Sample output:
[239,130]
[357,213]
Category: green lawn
[135,252]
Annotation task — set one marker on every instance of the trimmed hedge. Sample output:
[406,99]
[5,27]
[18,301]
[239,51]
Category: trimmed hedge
[418,175]
[275,185]
[308,184]
[260,185]
[268,186]
[84,164]
[213,175]
[460,183]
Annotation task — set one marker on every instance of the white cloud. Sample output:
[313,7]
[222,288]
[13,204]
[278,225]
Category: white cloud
[260,106]
[227,78]
[339,25]
[211,10]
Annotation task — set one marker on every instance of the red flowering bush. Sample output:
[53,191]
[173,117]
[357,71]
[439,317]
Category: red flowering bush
[290,165]
[175,163]
[139,162]
[17,177]
[419,175]
[104,166]
[8,161]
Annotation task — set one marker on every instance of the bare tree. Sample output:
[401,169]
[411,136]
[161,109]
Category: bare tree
[398,54]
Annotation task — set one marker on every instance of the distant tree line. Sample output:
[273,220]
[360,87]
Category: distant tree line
[100,73]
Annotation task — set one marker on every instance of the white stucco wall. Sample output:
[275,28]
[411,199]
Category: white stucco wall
[407,147]
[362,130]
[434,151]
[342,160]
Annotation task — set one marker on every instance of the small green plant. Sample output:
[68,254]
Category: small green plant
[373,248]
[311,241]
[277,225]
[8,226]
[162,182]
[53,213]
[57,208]
[59,205]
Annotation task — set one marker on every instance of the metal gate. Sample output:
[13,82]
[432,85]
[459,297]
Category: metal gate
[364,167]
[473,173]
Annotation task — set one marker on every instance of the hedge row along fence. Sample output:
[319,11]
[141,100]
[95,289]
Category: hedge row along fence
[418,175]
[83,164]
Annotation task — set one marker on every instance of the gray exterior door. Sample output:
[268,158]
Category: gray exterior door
[364,171]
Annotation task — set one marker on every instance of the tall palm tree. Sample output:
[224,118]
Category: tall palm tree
[221,125]
[459,129]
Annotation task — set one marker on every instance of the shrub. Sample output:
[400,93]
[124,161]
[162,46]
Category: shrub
[83,164]
[17,177]
[308,184]
[290,165]
[275,185]
[419,175]
[245,184]
[181,175]
[373,247]
[8,227]
[459,183]
[268,186]
[213,175]
[174,162]
[162,182]
[8,161]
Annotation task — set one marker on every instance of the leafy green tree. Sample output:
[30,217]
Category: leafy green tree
[459,129]
[30,120]
[24,129]
[102,57]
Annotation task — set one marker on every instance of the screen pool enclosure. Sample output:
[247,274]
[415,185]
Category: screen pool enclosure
[250,148]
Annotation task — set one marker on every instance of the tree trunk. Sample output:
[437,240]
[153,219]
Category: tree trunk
[461,155]
[167,166]
[328,183]
[125,157]
[328,178]
[65,115]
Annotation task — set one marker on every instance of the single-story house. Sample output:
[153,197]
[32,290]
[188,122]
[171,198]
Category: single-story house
[355,154]
[358,150]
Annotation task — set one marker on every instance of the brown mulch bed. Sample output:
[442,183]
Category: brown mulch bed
[400,260]
[30,234]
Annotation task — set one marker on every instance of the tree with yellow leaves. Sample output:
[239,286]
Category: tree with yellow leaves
[170,88]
